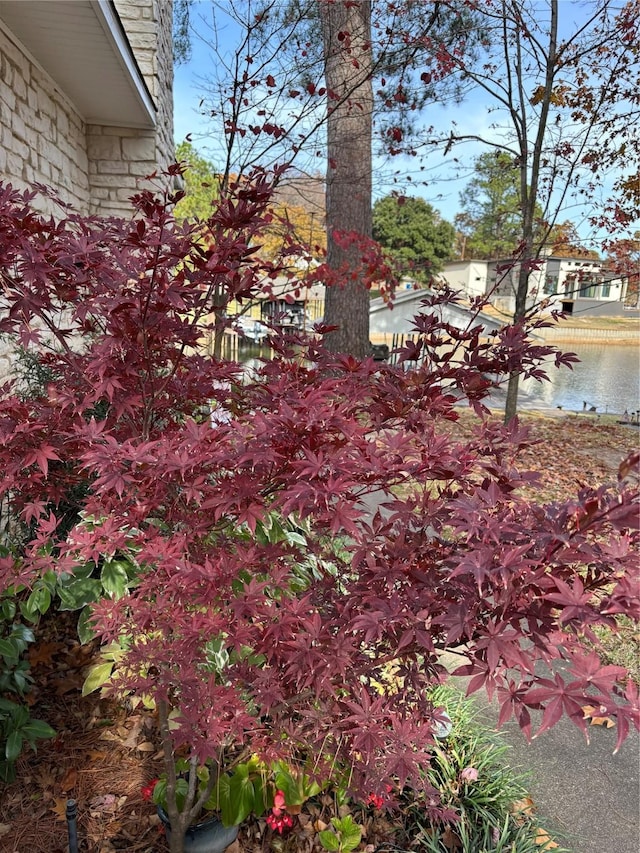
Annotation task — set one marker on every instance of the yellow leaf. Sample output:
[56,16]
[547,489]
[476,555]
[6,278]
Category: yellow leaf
[538,95]
[524,806]
[60,808]
[96,754]
[544,841]
[591,713]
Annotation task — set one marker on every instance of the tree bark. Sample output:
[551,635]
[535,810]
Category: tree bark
[346,29]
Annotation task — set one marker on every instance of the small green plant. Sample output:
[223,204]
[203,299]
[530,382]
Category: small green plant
[296,786]
[233,796]
[250,787]
[17,729]
[14,641]
[344,837]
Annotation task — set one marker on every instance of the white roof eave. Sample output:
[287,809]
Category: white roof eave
[111,22]
[82,46]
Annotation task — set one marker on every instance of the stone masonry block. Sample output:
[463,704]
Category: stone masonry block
[32,98]
[142,148]
[108,167]
[142,168]
[19,128]
[8,99]
[103,147]
[110,181]
[19,86]
[14,55]
[124,132]
[46,104]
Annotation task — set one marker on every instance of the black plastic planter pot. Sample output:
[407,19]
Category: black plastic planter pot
[210,836]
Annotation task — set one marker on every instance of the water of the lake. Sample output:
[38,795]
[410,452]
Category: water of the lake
[607,377]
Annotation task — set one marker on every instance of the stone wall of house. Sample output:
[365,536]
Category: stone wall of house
[42,135]
[43,138]
[94,168]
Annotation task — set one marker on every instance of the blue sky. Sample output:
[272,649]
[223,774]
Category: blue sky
[443,193]
[438,182]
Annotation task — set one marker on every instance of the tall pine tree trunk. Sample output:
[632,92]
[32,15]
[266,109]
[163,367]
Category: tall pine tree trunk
[511,402]
[346,29]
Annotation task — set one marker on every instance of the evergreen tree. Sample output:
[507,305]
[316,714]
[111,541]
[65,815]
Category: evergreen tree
[491,218]
[412,231]
[202,184]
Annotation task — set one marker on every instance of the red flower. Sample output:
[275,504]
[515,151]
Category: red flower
[278,820]
[279,802]
[279,823]
[147,790]
[375,800]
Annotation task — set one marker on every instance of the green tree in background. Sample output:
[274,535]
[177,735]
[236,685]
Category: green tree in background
[414,234]
[201,184]
[491,218]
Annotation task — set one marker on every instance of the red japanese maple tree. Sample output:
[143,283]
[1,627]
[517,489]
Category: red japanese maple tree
[307,538]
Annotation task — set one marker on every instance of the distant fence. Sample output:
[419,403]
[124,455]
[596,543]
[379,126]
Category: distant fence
[614,336]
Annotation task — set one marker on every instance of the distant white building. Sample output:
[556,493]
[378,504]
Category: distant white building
[572,285]
[385,324]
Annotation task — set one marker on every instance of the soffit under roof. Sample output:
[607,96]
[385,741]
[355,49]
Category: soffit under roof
[81,45]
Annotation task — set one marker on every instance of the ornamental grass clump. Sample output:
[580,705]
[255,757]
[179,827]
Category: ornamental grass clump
[486,802]
[219,494]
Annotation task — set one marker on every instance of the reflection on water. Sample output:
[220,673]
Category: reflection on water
[607,377]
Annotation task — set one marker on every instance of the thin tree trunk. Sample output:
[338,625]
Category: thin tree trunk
[346,28]
[511,402]
[530,186]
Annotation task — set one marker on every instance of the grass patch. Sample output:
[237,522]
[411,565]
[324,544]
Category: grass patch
[470,769]
[622,646]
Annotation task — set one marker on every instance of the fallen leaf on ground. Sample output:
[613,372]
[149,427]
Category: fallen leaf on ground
[67,685]
[69,779]
[592,714]
[60,808]
[43,653]
[104,803]
[96,755]
[134,734]
[4,828]
[544,841]
[524,806]
[450,839]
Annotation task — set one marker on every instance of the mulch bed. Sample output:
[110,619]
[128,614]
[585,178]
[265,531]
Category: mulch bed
[102,756]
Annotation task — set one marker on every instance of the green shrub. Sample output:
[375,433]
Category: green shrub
[18,729]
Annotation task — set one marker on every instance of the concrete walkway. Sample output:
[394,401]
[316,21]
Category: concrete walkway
[586,797]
